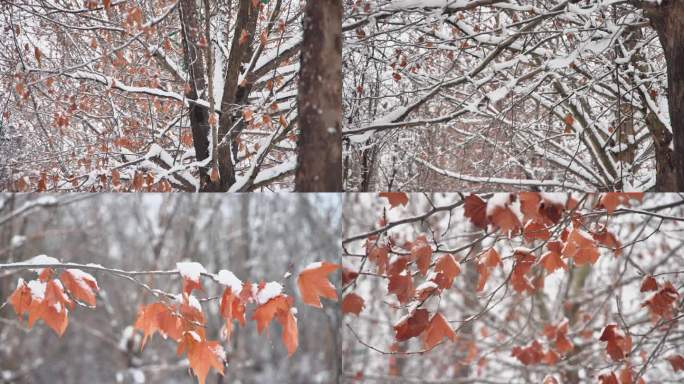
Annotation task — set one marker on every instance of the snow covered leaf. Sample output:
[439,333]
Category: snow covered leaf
[411,325]
[437,330]
[50,304]
[475,209]
[395,198]
[352,303]
[608,378]
[265,313]
[581,248]
[191,273]
[421,253]
[446,266]
[80,284]
[202,354]
[313,283]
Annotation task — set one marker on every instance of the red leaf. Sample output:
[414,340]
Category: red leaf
[534,231]
[581,248]
[677,362]
[447,266]
[395,198]
[500,214]
[610,200]
[475,209]
[20,299]
[412,325]
[608,378]
[649,284]
[313,283]
[437,330]
[660,303]
[618,345]
[352,303]
[421,253]
[531,354]
[378,253]
[402,286]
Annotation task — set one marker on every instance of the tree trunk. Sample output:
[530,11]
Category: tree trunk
[199,115]
[319,162]
[668,20]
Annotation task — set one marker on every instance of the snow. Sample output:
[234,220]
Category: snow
[81,277]
[229,279]
[42,260]
[193,302]
[314,265]
[555,198]
[426,285]
[270,290]
[191,270]
[17,241]
[138,376]
[37,289]
[219,352]
[496,201]
[195,336]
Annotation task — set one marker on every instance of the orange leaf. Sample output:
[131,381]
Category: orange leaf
[660,303]
[608,378]
[412,325]
[438,329]
[378,253]
[265,312]
[232,308]
[531,354]
[581,248]
[421,253]
[290,336]
[618,345]
[80,284]
[552,260]
[352,303]
[20,299]
[535,230]
[313,283]
[202,354]
[149,320]
[395,198]
[447,266]
[610,200]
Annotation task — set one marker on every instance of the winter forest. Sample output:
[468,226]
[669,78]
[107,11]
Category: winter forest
[162,95]
[491,95]
[342,191]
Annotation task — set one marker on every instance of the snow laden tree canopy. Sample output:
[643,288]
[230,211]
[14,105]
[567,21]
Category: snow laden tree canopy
[506,95]
[115,95]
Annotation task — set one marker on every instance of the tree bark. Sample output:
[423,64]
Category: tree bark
[199,115]
[319,104]
[668,20]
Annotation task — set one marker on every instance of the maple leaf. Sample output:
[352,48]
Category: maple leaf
[402,286]
[581,248]
[523,264]
[157,317]
[437,330]
[421,253]
[50,304]
[500,214]
[80,284]
[487,261]
[279,308]
[677,362]
[313,283]
[191,273]
[446,266]
[475,209]
[608,378]
[550,357]
[617,344]
[531,354]
[552,259]
[649,284]
[352,303]
[202,354]
[533,230]
[660,303]
[395,198]
[610,200]
[348,276]
[377,253]
[20,299]
[609,240]
[264,313]
[232,308]
[411,325]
